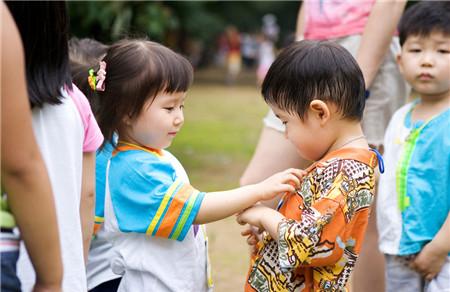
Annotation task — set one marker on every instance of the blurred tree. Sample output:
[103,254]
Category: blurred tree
[182,25]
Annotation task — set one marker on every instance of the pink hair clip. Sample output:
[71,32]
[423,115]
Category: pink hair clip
[101,76]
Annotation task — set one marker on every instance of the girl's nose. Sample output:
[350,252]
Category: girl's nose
[179,119]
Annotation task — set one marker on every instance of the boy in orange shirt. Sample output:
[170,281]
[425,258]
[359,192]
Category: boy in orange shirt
[314,237]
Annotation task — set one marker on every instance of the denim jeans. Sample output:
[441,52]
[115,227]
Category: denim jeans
[9,280]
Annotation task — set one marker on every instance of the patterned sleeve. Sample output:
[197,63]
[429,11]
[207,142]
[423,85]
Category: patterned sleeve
[148,197]
[332,225]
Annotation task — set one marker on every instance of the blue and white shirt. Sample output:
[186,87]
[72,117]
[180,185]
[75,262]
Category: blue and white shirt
[150,208]
[414,192]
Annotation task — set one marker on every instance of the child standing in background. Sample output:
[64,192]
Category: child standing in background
[66,132]
[314,237]
[151,210]
[414,193]
[100,278]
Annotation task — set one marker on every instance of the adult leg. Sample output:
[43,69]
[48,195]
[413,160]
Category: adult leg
[388,93]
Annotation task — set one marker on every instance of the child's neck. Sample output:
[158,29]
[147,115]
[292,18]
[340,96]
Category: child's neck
[349,135]
[430,106]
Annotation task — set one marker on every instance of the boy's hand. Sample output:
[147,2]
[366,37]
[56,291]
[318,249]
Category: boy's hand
[252,216]
[429,261]
[263,218]
[253,236]
[279,183]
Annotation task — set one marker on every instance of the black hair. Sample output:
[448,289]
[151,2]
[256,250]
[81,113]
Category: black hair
[85,54]
[423,18]
[136,71]
[309,70]
[43,26]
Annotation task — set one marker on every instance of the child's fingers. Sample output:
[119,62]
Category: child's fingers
[430,276]
[246,232]
[299,173]
[240,221]
[251,240]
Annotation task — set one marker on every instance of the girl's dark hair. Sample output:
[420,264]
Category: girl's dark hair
[85,54]
[309,70]
[43,26]
[423,18]
[136,71]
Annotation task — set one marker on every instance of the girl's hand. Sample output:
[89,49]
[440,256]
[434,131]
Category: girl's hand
[429,261]
[279,183]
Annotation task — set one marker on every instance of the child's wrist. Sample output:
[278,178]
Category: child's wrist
[441,248]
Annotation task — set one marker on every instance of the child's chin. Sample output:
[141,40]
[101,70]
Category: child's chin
[167,145]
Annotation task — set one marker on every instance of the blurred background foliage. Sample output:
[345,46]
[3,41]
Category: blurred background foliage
[185,26]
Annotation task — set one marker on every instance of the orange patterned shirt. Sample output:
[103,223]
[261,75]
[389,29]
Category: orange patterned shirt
[321,236]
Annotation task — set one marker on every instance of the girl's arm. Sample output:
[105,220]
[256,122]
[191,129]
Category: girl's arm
[87,201]
[377,36]
[219,205]
[23,172]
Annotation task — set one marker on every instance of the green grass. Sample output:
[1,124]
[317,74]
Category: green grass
[222,125]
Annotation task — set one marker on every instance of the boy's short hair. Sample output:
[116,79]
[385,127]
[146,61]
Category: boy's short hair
[309,70]
[423,18]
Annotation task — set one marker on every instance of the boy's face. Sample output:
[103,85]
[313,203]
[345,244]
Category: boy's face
[425,63]
[159,121]
[303,134]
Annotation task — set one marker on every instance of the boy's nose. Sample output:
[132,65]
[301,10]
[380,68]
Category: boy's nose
[427,60]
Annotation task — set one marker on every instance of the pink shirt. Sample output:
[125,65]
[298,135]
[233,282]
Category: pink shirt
[93,137]
[329,19]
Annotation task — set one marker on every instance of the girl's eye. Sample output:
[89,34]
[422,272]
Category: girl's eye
[443,51]
[414,50]
[169,109]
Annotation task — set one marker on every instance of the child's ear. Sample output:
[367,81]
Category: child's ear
[320,110]
[400,62]
[127,120]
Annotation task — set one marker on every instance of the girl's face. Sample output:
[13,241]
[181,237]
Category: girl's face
[159,121]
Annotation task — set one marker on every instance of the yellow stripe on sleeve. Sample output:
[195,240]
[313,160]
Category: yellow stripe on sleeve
[185,215]
[162,207]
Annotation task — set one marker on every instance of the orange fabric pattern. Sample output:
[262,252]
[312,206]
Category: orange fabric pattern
[321,236]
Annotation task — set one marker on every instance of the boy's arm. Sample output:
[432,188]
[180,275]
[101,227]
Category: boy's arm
[432,257]
[87,201]
[23,172]
[377,36]
[262,217]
